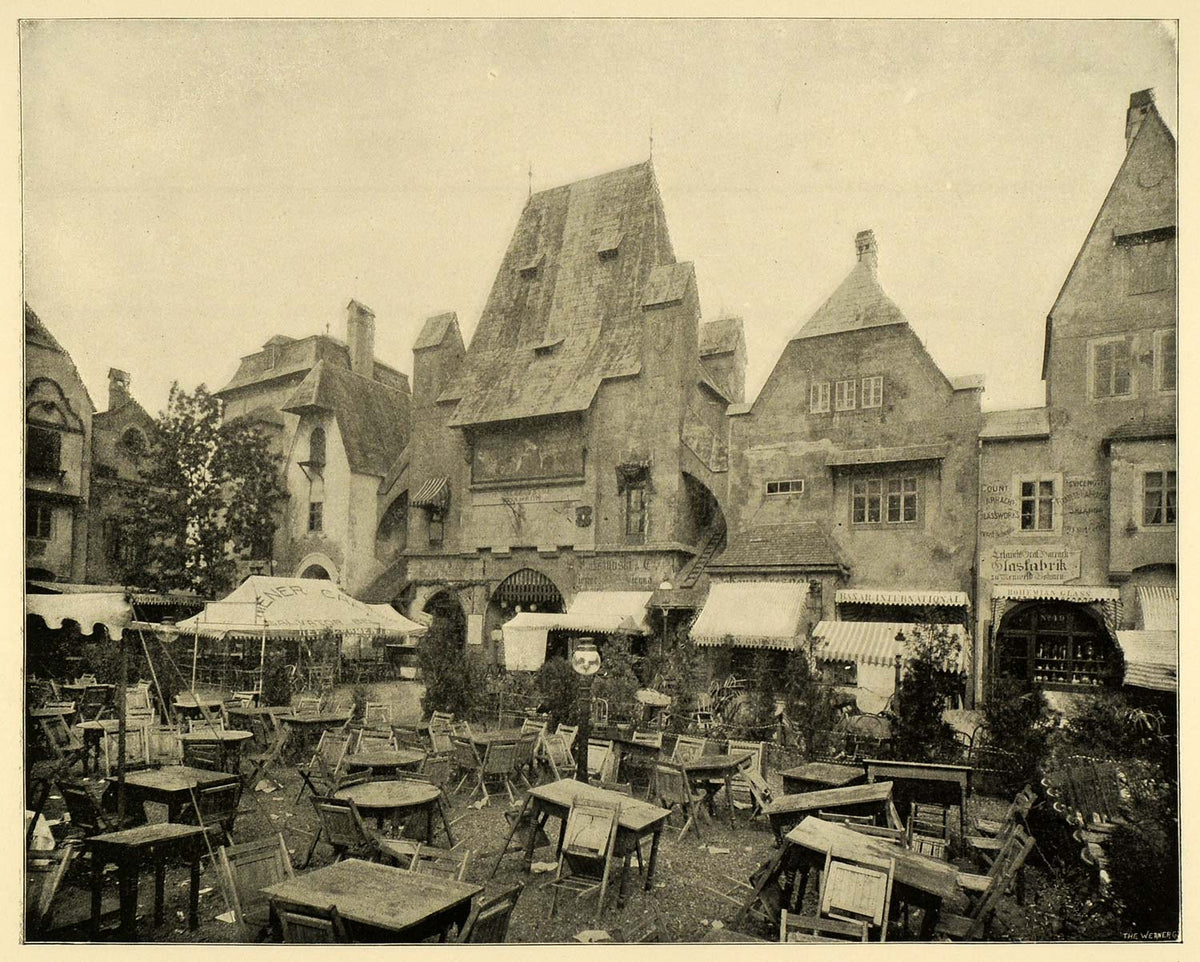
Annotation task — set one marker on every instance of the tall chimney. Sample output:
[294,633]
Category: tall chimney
[360,337]
[118,388]
[1139,105]
[864,244]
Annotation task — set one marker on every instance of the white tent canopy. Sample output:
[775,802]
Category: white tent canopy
[88,609]
[270,607]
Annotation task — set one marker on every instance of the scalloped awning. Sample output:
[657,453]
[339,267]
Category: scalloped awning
[752,614]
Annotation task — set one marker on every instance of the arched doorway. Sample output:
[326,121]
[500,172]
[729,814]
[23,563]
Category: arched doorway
[315,571]
[524,590]
[1057,646]
[449,625]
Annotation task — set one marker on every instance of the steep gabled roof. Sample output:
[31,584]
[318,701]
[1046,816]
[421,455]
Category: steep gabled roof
[858,303]
[1151,207]
[37,334]
[721,336]
[282,355]
[565,311]
[372,418]
[435,329]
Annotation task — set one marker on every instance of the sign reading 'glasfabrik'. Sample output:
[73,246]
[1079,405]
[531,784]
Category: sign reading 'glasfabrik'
[1026,563]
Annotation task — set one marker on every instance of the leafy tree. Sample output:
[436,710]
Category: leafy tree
[1017,723]
[680,674]
[616,681]
[807,701]
[918,732]
[454,682]
[558,685]
[210,496]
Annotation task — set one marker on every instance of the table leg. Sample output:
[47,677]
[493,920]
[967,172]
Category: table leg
[97,884]
[729,797]
[653,857]
[441,803]
[160,872]
[194,893]
[128,886]
[621,881]
[429,824]
[929,921]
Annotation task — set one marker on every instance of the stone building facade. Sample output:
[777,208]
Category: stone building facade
[121,437]
[339,417]
[855,471]
[58,459]
[1077,514]
[579,442]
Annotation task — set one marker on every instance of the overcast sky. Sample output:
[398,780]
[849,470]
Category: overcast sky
[192,188]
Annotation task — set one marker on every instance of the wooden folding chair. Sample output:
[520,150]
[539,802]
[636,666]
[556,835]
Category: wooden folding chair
[533,725]
[600,759]
[672,787]
[325,767]
[244,871]
[49,869]
[436,769]
[688,747]
[805,928]
[489,918]
[206,755]
[65,743]
[568,732]
[88,814]
[377,715]
[93,702]
[343,828]
[370,741]
[262,761]
[428,860]
[137,750]
[217,807]
[523,761]
[856,893]
[589,839]
[207,724]
[989,888]
[307,705]
[314,925]
[557,754]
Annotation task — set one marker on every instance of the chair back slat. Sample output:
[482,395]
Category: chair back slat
[688,747]
[432,861]
[490,918]
[247,869]
[314,925]
[500,758]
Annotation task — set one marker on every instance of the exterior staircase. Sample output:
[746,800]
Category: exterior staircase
[711,543]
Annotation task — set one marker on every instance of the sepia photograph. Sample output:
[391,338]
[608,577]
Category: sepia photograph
[607,479]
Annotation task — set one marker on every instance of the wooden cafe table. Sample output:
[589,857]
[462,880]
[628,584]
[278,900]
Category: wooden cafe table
[920,880]
[925,782]
[378,903]
[637,820]
[395,798]
[481,739]
[874,799]
[172,785]
[304,730]
[386,759]
[228,741]
[712,772]
[816,776]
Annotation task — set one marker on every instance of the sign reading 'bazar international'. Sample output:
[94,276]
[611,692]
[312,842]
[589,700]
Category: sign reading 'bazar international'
[1044,565]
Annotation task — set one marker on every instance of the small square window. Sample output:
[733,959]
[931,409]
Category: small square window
[818,397]
[790,486]
[845,395]
[872,392]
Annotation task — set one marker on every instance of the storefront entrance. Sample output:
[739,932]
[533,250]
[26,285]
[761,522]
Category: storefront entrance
[1056,645]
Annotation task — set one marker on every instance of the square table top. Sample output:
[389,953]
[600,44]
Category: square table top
[827,773]
[830,798]
[146,835]
[176,778]
[371,894]
[636,815]
[714,763]
[913,870]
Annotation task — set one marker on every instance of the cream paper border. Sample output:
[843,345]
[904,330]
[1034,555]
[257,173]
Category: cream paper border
[11,434]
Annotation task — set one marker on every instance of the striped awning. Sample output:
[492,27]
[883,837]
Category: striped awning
[1080,594]
[1158,608]
[604,612]
[1151,659]
[752,614]
[914,598]
[872,642]
[434,493]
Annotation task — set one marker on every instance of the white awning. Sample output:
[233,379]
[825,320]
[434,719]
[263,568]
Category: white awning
[1081,594]
[1158,608]
[1151,659]
[604,612]
[525,640]
[912,598]
[752,614]
[110,609]
[874,642]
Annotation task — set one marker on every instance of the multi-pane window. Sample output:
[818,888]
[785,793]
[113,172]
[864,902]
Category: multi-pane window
[818,397]
[791,486]
[1112,368]
[316,512]
[1164,360]
[1158,498]
[1037,505]
[872,392]
[901,500]
[43,451]
[39,520]
[844,395]
[867,498]
[635,511]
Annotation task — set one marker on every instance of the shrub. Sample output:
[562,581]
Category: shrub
[808,703]
[1143,862]
[558,685]
[1108,725]
[918,732]
[616,681]
[1017,722]
[453,681]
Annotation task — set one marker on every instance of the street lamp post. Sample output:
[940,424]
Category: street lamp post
[586,662]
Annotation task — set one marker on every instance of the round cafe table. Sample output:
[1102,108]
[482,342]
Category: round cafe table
[190,705]
[305,730]
[229,743]
[387,759]
[397,799]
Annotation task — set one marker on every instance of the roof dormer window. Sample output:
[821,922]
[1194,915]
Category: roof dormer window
[529,269]
[608,245]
